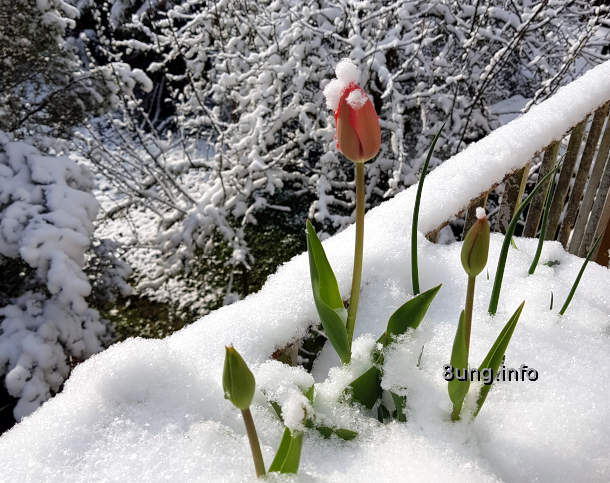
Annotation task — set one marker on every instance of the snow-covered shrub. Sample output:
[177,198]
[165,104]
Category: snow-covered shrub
[107,271]
[248,132]
[44,86]
[46,222]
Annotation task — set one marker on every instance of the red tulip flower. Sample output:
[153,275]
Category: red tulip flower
[358,133]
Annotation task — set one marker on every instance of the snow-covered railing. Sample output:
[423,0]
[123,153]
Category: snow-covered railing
[576,112]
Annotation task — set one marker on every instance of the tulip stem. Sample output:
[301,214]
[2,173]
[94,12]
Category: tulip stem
[257,455]
[358,248]
[468,311]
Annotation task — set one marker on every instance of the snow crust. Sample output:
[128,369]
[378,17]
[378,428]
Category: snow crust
[480,212]
[154,410]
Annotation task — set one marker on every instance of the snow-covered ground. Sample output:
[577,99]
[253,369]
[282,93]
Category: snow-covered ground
[154,410]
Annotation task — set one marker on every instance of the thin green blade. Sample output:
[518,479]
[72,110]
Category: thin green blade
[282,451]
[288,454]
[496,353]
[579,276]
[420,186]
[459,360]
[545,216]
[326,296]
[495,293]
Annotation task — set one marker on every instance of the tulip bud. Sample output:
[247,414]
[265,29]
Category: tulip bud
[476,245]
[237,380]
[358,133]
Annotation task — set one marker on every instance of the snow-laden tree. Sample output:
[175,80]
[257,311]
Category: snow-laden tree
[249,124]
[44,86]
[46,222]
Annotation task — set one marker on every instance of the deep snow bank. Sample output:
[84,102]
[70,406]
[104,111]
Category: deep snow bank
[154,410]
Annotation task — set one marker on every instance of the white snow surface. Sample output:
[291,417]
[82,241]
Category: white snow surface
[153,410]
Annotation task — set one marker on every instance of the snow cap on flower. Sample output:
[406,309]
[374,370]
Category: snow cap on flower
[358,133]
[476,245]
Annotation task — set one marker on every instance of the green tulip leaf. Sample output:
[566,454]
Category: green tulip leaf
[401,403]
[495,355]
[345,434]
[409,315]
[565,305]
[459,360]
[366,389]
[309,394]
[420,186]
[545,216]
[288,454]
[383,415]
[277,409]
[327,297]
[510,230]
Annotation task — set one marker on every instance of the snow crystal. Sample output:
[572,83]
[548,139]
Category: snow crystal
[347,72]
[480,212]
[356,99]
[286,386]
[332,92]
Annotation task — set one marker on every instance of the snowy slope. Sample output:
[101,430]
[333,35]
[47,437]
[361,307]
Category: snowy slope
[153,410]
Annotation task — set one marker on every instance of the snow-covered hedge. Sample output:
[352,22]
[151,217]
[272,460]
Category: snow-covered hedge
[46,223]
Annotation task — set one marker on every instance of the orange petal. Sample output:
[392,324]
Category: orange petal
[366,125]
[347,138]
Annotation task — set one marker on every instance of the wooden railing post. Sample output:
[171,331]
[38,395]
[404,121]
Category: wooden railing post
[535,209]
[603,227]
[582,174]
[563,184]
[514,187]
[582,235]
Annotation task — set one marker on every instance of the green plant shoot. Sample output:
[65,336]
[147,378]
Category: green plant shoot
[579,276]
[495,293]
[327,297]
[420,186]
[459,361]
[496,353]
[238,384]
[545,215]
